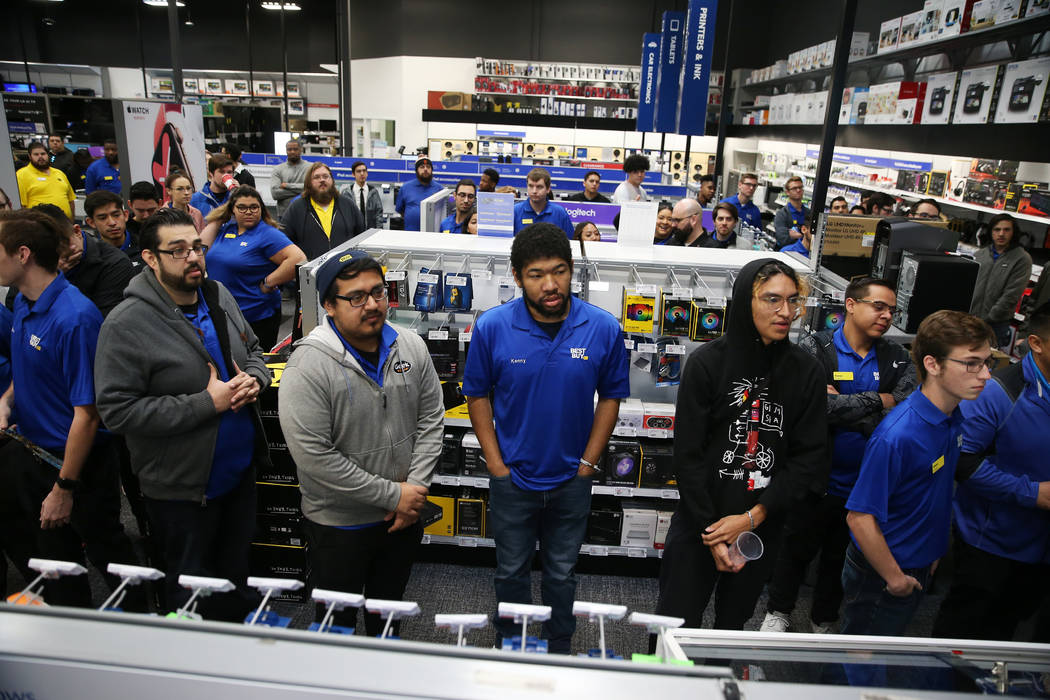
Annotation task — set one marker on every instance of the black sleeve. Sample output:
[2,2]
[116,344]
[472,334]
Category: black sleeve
[359,220]
[692,413]
[113,280]
[806,429]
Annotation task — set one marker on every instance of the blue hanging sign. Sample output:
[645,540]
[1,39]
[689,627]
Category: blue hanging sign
[697,49]
[670,72]
[647,88]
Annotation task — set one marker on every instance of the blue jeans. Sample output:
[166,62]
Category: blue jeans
[558,519]
[871,609]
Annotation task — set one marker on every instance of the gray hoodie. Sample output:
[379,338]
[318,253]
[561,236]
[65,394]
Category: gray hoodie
[353,441]
[151,378]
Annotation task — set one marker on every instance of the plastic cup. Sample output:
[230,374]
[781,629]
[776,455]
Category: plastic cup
[748,547]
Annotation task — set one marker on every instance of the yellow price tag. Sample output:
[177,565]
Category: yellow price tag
[938,464]
[843,376]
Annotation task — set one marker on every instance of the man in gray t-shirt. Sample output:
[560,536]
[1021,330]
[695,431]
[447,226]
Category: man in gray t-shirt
[288,178]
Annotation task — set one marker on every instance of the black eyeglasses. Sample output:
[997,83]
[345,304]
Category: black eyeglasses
[879,306]
[359,299]
[183,253]
[247,208]
[975,366]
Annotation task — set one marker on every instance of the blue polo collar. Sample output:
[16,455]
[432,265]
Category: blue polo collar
[48,296]
[523,320]
[930,413]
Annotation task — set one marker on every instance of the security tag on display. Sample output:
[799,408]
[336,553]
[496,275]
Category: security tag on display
[681,292]
[646,347]
[647,289]
[395,275]
[438,335]
[598,286]
[628,343]
[427,278]
[456,280]
[674,349]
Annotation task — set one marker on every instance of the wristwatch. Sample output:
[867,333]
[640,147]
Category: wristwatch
[68,484]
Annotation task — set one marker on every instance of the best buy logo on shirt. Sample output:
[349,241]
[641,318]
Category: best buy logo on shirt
[578,353]
[34,342]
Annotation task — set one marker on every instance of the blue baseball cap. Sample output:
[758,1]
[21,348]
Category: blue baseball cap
[331,268]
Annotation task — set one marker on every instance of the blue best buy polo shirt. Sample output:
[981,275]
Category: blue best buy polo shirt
[100,175]
[543,389]
[906,479]
[449,224]
[525,215]
[52,360]
[241,262]
[748,212]
[855,375]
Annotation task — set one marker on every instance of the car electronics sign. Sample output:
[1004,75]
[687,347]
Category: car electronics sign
[696,74]
[647,93]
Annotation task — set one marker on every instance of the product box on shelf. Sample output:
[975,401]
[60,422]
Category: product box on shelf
[451,452]
[657,469]
[1024,91]
[930,27]
[663,524]
[957,177]
[889,35]
[631,416]
[991,169]
[277,499]
[281,469]
[1009,10]
[639,525]
[938,183]
[279,529]
[639,312]
[1037,7]
[604,525]
[977,88]
[896,103]
[911,23]
[621,462]
[470,517]
[940,98]
[281,561]
[850,97]
[1034,201]
[858,47]
[708,320]
[859,106]
[955,17]
[473,458]
[659,416]
[982,14]
[982,191]
[446,524]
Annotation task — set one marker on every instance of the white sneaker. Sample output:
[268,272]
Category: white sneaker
[774,622]
[822,629]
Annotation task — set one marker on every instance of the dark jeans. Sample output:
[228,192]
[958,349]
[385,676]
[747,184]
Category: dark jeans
[990,595]
[266,330]
[818,524]
[370,561]
[558,519]
[688,576]
[871,609]
[210,539]
[94,525]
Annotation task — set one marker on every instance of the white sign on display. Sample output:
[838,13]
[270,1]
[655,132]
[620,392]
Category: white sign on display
[637,224]
[495,214]
[162,136]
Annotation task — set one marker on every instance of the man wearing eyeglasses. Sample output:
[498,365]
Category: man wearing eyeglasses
[362,413]
[899,510]
[466,195]
[792,216]
[927,209]
[746,209]
[177,373]
[866,376]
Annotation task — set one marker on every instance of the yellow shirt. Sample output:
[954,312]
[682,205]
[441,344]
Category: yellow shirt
[324,215]
[36,187]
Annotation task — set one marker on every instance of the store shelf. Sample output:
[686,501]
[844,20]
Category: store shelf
[595,550]
[560,80]
[510,119]
[482,482]
[980,37]
[558,97]
[1001,141]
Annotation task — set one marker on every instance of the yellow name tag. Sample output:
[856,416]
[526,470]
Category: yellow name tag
[526,221]
[938,464]
[843,376]
[108,177]
[446,231]
[231,235]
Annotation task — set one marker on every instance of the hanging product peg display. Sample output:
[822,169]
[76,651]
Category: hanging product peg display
[460,623]
[391,610]
[522,613]
[129,576]
[600,612]
[335,601]
[49,569]
[268,586]
[201,587]
[658,625]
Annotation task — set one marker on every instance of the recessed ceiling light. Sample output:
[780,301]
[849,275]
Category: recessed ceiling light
[162,3]
[288,6]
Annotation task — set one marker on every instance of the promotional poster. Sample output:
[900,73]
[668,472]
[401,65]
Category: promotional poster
[162,137]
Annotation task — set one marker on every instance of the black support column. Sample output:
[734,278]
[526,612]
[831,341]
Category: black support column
[176,58]
[342,49]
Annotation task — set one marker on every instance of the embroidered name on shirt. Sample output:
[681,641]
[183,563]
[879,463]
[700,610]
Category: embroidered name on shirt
[843,376]
[938,463]
[578,353]
[517,360]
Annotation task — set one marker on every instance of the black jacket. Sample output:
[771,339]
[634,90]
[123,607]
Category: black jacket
[303,228]
[727,381]
[862,412]
[582,197]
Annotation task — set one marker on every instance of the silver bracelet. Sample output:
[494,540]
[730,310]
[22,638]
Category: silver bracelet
[750,518]
[585,463]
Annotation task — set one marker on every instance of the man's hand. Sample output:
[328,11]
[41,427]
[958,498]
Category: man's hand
[585,471]
[221,392]
[726,530]
[720,553]
[903,585]
[246,389]
[1042,499]
[498,470]
[412,500]
[284,185]
[5,414]
[833,390]
[68,262]
[56,508]
[888,401]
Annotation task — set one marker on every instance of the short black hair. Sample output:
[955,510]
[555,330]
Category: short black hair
[493,175]
[634,163]
[143,189]
[110,140]
[149,232]
[357,163]
[707,178]
[33,145]
[466,182]
[233,151]
[985,236]
[46,238]
[100,198]
[932,202]
[858,288]
[57,214]
[1038,322]
[881,200]
[539,241]
[855,207]
[832,202]
[592,172]
[729,207]
[355,268]
[216,162]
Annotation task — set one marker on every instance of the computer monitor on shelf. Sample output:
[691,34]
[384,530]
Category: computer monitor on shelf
[433,210]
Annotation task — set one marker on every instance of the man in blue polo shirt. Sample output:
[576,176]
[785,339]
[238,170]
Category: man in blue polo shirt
[412,194]
[52,401]
[900,507]
[747,210]
[538,208]
[542,358]
[466,194]
[803,244]
[1002,525]
[866,375]
[792,216]
[216,190]
[104,173]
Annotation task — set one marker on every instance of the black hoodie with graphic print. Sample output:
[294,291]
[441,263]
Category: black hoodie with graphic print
[751,420]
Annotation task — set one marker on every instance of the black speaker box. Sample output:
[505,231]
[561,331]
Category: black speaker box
[930,282]
[895,234]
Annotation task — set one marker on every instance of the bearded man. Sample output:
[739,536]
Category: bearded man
[321,218]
